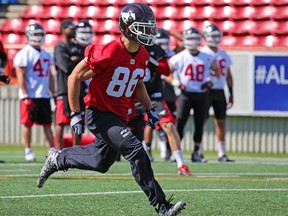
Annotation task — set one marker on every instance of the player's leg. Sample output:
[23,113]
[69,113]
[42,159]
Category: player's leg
[147,141]
[167,123]
[97,157]
[200,112]
[117,136]
[26,122]
[182,113]
[44,118]
[27,133]
[62,120]
[220,107]
[165,151]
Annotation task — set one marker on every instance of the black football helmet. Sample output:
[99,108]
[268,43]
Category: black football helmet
[192,38]
[163,39]
[35,34]
[212,35]
[137,22]
[84,32]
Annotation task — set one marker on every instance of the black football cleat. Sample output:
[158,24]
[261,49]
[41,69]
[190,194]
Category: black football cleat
[225,159]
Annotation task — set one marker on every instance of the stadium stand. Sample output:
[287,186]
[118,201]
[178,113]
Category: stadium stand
[259,23]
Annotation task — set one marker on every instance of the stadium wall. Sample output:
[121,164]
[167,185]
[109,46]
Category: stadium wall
[256,123]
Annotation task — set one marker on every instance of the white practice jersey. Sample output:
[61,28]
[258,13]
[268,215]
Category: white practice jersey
[224,62]
[192,71]
[37,77]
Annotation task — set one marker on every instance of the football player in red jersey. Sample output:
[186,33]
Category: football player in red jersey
[117,70]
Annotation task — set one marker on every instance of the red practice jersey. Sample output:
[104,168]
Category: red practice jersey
[117,73]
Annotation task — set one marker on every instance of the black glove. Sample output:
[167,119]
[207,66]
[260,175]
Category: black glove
[153,118]
[5,79]
[77,124]
[207,86]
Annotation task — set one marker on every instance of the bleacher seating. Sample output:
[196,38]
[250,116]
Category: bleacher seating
[243,22]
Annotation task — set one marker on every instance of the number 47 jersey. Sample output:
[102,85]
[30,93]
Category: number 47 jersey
[117,74]
[37,77]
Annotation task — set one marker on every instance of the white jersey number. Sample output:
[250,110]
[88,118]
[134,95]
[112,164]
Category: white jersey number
[121,84]
[195,73]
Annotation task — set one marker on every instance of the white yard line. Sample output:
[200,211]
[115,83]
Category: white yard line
[196,175]
[132,192]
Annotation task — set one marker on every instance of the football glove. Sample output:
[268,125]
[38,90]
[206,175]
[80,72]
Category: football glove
[153,118]
[231,98]
[230,102]
[77,124]
[176,83]
[207,85]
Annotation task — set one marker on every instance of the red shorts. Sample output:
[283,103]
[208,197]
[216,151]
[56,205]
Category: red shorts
[62,117]
[161,107]
[41,114]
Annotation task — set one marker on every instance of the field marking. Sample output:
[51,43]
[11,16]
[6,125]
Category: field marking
[257,161]
[196,175]
[161,178]
[132,192]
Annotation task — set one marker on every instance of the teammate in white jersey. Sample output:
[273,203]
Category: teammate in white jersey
[217,99]
[193,70]
[36,86]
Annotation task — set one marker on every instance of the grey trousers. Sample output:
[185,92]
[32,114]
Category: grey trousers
[112,138]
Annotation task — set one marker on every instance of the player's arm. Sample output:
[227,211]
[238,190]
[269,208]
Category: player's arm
[216,69]
[170,79]
[54,76]
[52,84]
[20,73]
[229,81]
[142,96]
[80,73]
[64,61]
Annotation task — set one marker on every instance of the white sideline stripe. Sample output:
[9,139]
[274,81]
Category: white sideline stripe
[131,192]
[196,175]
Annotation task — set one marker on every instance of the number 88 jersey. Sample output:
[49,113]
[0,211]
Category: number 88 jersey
[117,73]
[37,65]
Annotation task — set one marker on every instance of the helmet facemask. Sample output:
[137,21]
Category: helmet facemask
[164,43]
[213,38]
[84,35]
[192,41]
[145,33]
[36,38]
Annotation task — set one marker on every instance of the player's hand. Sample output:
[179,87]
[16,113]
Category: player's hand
[77,124]
[176,83]
[207,85]
[231,102]
[1,70]
[153,118]
[30,106]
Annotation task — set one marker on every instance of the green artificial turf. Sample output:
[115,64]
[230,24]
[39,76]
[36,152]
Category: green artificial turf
[255,185]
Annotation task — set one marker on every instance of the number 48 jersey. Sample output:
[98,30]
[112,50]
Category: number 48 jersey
[192,71]
[37,76]
[117,74]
